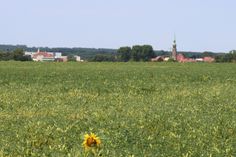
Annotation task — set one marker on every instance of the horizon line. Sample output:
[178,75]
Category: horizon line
[71,47]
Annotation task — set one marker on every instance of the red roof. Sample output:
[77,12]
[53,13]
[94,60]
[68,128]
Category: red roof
[182,58]
[209,59]
[44,54]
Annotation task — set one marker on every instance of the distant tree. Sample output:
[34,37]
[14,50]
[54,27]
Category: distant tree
[162,53]
[1,55]
[147,52]
[124,53]
[71,58]
[18,54]
[104,58]
[136,53]
[5,56]
[142,53]
[233,55]
[220,58]
[26,58]
[193,56]
[228,57]
[208,54]
[232,51]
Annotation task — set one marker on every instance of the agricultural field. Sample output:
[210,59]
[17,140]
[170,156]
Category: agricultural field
[136,109]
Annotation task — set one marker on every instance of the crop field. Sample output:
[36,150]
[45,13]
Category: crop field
[136,109]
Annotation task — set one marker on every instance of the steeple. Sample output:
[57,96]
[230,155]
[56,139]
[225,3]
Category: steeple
[174,43]
[174,49]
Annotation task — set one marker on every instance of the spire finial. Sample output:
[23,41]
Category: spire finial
[174,42]
[174,38]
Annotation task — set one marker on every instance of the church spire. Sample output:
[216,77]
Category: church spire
[174,49]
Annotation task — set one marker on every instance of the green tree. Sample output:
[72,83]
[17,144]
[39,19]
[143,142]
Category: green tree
[104,58]
[208,54]
[147,52]
[220,58]
[71,58]
[18,54]
[228,57]
[136,53]
[233,55]
[124,53]
[144,53]
[26,58]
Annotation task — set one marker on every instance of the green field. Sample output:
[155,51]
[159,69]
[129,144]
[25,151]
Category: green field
[137,109]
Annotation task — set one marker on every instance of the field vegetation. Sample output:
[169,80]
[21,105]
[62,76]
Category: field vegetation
[136,109]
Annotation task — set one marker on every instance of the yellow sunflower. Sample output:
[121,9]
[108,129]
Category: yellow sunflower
[91,141]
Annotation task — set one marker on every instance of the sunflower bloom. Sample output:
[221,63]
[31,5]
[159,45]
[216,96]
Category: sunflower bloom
[91,141]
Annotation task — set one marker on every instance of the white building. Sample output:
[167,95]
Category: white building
[199,59]
[78,59]
[45,56]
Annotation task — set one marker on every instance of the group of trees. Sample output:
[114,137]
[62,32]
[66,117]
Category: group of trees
[17,55]
[136,53]
[125,54]
[104,58]
[227,57]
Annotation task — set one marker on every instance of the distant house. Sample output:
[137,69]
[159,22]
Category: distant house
[43,56]
[46,56]
[29,53]
[166,58]
[158,59]
[62,59]
[181,58]
[208,59]
[199,59]
[78,59]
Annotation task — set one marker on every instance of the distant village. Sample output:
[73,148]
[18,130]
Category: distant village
[41,56]
[179,57]
[123,54]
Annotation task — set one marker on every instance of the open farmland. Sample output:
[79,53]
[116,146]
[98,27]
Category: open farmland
[137,109]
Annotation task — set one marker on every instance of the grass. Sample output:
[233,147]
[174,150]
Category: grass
[137,109]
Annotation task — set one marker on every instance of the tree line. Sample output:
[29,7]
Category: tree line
[17,55]
[125,54]
[136,53]
[228,57]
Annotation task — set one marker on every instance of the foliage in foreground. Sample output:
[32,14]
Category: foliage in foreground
[137,109]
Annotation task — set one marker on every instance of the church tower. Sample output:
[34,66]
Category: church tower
[174,50]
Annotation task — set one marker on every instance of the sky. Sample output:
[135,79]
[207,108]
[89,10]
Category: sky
[199,25]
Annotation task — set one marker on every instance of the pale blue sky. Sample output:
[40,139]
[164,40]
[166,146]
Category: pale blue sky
[199,25]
